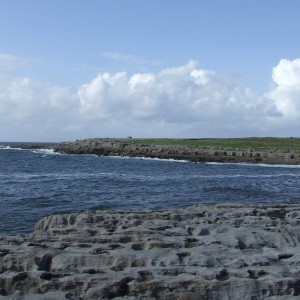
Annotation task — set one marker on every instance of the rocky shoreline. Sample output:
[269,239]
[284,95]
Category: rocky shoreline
[202,252]
[127,147]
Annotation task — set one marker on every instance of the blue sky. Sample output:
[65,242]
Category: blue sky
[74,69]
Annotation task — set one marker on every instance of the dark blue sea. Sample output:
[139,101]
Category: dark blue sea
[37,183]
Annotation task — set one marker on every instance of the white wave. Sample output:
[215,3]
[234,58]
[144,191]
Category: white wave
[118,156]
[45,152]
[57,176]
[39,151]
[256,165]
[2,147]
[280,166]
[243,176]
[162,159]
[149,158]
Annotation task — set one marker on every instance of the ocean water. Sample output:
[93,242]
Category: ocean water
[37,183]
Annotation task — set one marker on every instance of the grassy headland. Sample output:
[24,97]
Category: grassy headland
[257,143]
[269,150]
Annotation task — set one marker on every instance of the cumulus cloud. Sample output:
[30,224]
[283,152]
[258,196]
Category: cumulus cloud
[287,73]
[286,93]
[184,101]
[23,98]
[176,95]
[31,109]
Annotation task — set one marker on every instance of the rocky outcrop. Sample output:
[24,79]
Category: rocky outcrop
[201,252]
[127,147]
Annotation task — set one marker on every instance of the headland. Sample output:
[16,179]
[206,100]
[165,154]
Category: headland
[247,150]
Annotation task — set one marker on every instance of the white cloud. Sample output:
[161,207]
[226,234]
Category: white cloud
[24,98]
[202,77]
[184,101]
[31,110]
[102,98]
[286,92]
[118,56]
[8,61]
[129,58]
[173,96]
[287,73]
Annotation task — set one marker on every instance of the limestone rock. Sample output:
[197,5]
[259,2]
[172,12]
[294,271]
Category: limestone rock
[226,252]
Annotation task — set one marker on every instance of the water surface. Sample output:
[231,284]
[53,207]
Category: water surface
[36,183]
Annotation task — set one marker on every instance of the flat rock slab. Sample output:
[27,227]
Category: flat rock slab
[201,252]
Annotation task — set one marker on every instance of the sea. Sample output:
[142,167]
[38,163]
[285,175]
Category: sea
[37,183]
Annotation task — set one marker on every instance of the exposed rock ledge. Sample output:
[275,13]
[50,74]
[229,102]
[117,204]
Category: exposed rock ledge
[201,252]
[127,147]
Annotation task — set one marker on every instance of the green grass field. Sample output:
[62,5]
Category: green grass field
[264,143]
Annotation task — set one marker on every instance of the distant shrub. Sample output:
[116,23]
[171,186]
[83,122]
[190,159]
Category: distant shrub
[233,154]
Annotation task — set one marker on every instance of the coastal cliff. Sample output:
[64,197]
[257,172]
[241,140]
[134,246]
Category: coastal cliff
[221,252]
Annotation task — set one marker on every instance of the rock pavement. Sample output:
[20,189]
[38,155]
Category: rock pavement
[202,252]
[113,147]
[128,147]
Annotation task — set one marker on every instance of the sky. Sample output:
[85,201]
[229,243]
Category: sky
[77,69]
